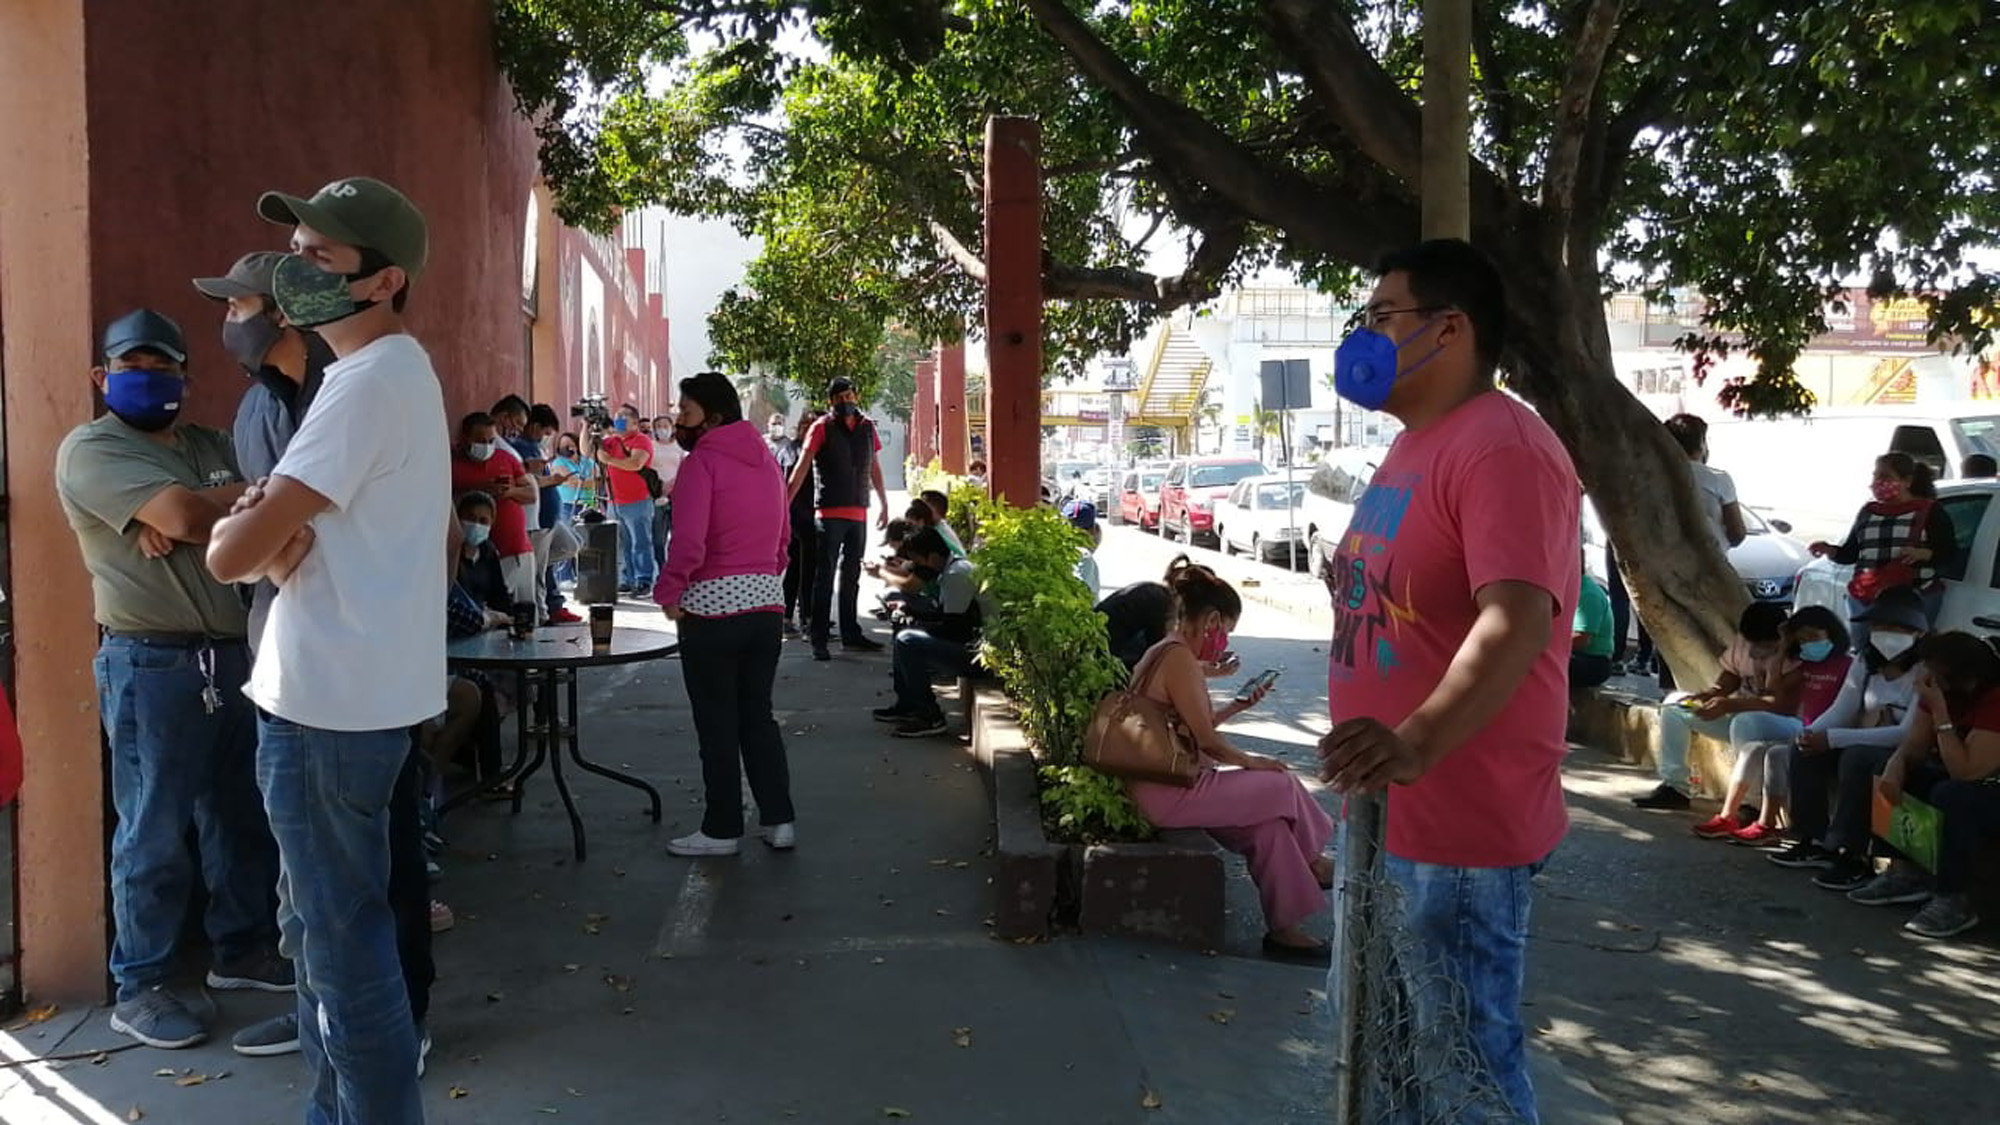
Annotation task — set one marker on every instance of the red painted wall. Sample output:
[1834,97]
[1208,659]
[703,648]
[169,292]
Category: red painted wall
[613,346]
[197,108]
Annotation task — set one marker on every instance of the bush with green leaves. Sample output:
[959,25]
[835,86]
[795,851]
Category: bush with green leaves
[1078,803]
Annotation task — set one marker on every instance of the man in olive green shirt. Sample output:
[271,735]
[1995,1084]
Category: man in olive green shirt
[141,490]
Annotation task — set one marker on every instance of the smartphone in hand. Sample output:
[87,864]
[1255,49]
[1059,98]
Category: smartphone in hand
[1262,679]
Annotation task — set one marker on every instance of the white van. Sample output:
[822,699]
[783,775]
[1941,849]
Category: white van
[1810,475]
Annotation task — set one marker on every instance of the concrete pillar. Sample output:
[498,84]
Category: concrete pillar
[1013,232]
[1447,170]
[923,415]
[951,407]
[46,344]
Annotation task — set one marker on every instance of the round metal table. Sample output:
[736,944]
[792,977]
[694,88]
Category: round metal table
[544,667]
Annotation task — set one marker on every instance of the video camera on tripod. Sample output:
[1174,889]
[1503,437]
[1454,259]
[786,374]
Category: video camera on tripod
[595,414]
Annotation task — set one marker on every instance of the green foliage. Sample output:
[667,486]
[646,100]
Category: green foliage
[1080,804]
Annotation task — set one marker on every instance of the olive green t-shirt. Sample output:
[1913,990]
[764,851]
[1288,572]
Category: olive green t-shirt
[105,472]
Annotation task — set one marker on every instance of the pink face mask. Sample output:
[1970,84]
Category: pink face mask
[1888,491]
[1214,643]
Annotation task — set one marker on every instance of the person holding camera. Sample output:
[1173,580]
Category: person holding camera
[627,456]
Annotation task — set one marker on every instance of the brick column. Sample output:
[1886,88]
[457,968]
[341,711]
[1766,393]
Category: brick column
[1014,308]
[951,407]
[923,415]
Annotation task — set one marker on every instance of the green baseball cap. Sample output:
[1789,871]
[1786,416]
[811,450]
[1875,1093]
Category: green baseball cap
[249,277]
[359,211]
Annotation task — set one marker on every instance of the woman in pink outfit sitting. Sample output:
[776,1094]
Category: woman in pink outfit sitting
[1249,802]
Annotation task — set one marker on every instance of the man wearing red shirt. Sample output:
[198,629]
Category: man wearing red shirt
[481,462]
[840,452]
[1448,672]
[625,453]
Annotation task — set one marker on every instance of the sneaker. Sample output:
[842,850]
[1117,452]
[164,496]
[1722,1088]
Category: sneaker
[565,617]
[894,713]
[442,918]
[1943,916]
[423,1051]
[264,971]
[1718,827]
[1843,874]
[791,631]
[278,1036]
[1897,886]
[157,1018]
[701,844]
[821,654]
[922,726]
[1802,853]
[1665,797]
[861,644]
[783,837]
[1758,835]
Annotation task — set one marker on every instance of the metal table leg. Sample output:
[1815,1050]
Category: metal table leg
[576,755]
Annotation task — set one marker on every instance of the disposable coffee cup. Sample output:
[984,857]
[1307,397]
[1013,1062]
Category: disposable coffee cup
[600,626]
[524,620]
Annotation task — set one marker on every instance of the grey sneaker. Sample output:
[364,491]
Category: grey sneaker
[157,1018]
[278,1036]
[1897,886]
[1943,916]
[263,970]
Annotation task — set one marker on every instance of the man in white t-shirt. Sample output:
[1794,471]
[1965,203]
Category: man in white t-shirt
[1713,487]
[357,509]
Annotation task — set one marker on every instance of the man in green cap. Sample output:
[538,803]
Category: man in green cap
[352,656]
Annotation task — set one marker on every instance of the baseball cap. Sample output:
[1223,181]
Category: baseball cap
[360,211]
[1902,607]
[144,328]
[1082,514]
[249,277]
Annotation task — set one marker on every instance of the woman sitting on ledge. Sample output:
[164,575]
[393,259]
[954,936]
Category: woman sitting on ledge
[1248,802]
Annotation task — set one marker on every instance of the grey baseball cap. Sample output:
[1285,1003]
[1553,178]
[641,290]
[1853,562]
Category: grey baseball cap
[144,328]
[249,277]
[360,211]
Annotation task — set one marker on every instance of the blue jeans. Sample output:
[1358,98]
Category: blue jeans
[1470,925]
[174,764]
[329,794]
[917,654]
[565,571]
[635,544]
[841,540]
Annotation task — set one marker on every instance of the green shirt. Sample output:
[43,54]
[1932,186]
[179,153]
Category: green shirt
[1593,618]
[105,472]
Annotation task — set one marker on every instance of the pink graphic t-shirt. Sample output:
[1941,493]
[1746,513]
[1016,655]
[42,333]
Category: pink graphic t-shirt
[1486,494]
[1822,685]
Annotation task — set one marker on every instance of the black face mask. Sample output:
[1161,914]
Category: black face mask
[846,410]
[686,436]
[249,341]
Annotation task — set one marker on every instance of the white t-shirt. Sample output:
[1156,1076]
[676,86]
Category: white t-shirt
[1715,491]
[355,640]
[667,458]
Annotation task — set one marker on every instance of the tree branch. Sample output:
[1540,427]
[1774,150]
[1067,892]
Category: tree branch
[961,255]
[1573,107]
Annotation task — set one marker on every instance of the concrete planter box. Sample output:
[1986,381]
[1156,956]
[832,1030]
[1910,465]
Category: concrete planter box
[1170,889]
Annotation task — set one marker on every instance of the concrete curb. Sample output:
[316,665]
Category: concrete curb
[1027,865]
[1628,728]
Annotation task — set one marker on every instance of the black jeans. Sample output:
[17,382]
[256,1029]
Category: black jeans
[1587,671]
[1812,778]
[840,541]
[410,884]
[1971,816]
[801,559]
[729,665]
[1849,828]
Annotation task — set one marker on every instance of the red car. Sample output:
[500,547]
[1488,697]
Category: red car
[1191,488]
[1139,498]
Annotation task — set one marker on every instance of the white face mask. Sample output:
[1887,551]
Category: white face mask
[475,533]
[479,450]
[1891,645]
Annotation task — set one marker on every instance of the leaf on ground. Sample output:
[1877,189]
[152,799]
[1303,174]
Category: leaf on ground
[191,1079]
[548,1109]
[43,1014]
[458,1092]
[622,984]
[939,862]
[961,1037]
[1151,1101]
[1226,995]
[879,961]
[592,928]
[135,1114]
[495,997]
[1222,1015]
[572,1091]
[960,864]
[597,919]
[942,912]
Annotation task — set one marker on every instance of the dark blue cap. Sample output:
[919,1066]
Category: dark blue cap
[1082,514]
[144,328]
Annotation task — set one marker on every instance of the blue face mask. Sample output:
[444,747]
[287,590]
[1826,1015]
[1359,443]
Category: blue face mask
[619,423]
[143,398]
[1812,652]
[1364,366]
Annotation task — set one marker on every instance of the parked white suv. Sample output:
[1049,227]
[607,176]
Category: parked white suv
[1971,581]
[1331,493]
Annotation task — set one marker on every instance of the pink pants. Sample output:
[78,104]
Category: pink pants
[1267,817]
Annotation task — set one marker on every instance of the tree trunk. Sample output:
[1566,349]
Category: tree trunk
[1681,583]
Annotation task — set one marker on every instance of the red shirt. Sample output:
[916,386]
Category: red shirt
[815,438]
[627,486]
[1486,494]
[493,476]
[1981,714]
[1821,685]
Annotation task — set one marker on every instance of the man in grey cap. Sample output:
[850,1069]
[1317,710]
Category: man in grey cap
[353,654]
[142,489]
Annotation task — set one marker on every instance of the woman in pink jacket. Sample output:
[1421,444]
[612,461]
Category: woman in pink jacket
[724,587]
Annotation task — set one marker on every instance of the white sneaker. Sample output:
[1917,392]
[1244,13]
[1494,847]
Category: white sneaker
[701,844]
[783,837]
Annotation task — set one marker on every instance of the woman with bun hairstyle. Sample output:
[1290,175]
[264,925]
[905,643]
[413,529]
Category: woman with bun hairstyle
[1903,537]
[1249,802]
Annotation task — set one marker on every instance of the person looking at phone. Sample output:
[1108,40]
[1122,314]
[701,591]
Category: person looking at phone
[942,637]
[1753,678]
[1250,803]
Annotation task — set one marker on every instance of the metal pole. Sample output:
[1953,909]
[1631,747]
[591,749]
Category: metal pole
[1446,175]
[1357,864]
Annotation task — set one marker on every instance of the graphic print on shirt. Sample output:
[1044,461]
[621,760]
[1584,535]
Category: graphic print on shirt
[1371,604]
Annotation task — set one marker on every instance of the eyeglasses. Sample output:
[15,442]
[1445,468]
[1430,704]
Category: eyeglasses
[1376,318]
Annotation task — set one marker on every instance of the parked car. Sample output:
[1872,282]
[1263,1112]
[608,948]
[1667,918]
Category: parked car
[1331,493]
[1191,488]
[1139,498]
[1971,579]
[1261,515]
[1768,560]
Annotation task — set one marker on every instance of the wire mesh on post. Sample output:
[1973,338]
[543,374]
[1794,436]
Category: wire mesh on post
[1402,1050]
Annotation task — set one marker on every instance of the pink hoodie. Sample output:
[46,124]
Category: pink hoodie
[730,513]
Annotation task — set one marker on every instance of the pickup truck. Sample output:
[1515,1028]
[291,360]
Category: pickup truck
[1971,581]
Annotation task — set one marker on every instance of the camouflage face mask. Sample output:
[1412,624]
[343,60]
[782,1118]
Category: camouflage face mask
[310,296]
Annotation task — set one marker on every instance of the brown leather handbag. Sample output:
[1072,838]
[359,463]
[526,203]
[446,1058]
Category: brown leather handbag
[1140,739]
